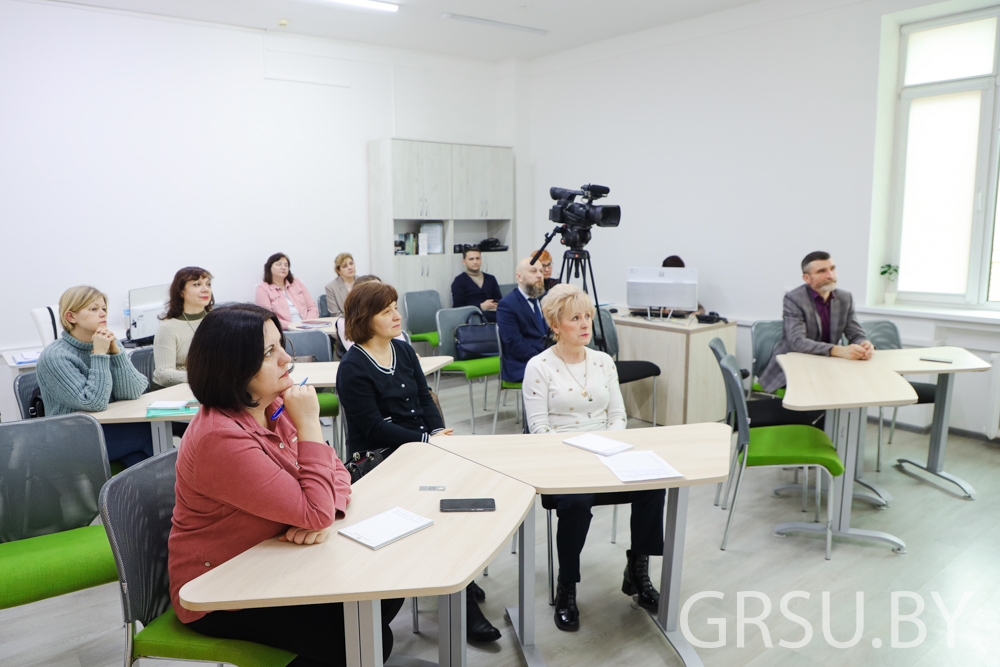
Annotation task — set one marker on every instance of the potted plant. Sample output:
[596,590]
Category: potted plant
[891,272]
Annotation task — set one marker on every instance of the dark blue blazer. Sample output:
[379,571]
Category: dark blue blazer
[465,292]
[521,333]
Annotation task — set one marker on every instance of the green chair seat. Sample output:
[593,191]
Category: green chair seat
[49,565]
[793,445]
[509,385]
[167,637]
[430,337]
[780,393]
[476,368]
[329,404]
[116,467]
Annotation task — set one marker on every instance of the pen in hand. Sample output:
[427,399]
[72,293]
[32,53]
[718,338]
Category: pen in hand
[282,408]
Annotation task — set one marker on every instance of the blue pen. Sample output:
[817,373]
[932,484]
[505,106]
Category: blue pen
[279,410]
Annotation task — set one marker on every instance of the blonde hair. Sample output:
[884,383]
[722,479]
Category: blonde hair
[340,259]
[76,299]
[563,298]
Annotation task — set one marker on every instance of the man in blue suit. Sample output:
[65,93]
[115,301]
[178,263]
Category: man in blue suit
[520,322]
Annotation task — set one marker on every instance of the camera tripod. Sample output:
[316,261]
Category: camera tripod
[577,264]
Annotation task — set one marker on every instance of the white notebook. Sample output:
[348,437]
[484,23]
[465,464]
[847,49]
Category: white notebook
[639,466]
[385,528]
[598,444]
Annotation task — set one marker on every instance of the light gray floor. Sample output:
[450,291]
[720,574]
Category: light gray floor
[954,548]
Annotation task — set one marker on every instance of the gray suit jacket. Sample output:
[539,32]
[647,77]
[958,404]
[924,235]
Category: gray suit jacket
[802,330]
[336,295]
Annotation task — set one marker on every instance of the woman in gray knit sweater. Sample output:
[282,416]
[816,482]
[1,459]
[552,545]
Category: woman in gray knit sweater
[85,369]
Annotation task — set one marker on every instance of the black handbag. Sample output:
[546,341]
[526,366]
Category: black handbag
[362,463]
[475,341]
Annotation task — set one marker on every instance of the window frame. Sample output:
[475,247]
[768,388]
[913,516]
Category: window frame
[987,168]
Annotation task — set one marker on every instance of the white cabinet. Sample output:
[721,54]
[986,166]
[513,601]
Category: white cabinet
[482,182]
[500,265]
[413,273]
[421,180]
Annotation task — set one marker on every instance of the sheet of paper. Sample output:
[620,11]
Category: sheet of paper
[27,357]
[308,325]
[598,444]
[639,466]
[386,527]
[167,405]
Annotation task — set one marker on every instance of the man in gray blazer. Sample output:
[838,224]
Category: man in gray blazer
[816,316]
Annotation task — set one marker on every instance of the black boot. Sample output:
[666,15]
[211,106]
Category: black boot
[478,592]
[567,615]
[637,582]
[477,628]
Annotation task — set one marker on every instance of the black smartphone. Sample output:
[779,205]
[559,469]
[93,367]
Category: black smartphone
[468,505]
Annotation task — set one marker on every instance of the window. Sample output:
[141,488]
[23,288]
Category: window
[945,186]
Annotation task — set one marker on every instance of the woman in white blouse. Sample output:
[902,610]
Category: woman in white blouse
[567,388]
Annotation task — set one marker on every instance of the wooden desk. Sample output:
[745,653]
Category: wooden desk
[908,361]
[440,560]
[845,389]
[324,373]
[330,329]
[699,451]
[689,389]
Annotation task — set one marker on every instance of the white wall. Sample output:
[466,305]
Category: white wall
[133,145]
[741,141]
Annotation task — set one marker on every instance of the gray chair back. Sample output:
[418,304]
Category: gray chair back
[447,320]
[734,394]
[765,336]
[883,334]
[324,311]
[420,310]
[142,359]
[719,350]
[25,385]
[605,319]
[51,472]
[136,508]
[309,344]
[507,288]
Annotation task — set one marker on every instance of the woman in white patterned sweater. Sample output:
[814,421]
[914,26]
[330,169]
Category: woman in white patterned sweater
[567,388]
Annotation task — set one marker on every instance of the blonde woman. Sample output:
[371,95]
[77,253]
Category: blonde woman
[85,369]
[338,288]
[567,388]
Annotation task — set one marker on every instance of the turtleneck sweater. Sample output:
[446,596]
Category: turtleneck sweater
[71,378]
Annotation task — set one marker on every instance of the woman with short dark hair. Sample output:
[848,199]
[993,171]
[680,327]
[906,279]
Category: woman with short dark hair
[190,299]
[245,474]
[283,295]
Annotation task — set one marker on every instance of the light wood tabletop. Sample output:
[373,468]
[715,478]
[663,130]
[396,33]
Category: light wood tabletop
[330,329]
[438,560]
[908,360]
[135,410]
[700,452]
[324,373]
[831,383]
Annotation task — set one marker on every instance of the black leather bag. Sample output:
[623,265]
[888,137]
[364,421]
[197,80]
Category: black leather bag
[476,341]
[362,463]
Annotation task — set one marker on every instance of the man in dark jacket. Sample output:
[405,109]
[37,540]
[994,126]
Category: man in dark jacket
[473,287]
[520,323]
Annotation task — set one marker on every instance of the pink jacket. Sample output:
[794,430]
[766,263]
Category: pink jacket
[239,484]
[272,298]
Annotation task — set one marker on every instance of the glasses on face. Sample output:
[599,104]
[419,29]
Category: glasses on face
[547,266]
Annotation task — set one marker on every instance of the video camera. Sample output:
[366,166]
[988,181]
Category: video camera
[578,217]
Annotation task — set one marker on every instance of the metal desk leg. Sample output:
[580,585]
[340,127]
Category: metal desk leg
[670,577]
[879,496]
[846,431]
[939,437]
[163,437]
[523,617]
[451,629]
[363,633]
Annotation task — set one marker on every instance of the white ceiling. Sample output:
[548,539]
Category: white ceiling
[418,24]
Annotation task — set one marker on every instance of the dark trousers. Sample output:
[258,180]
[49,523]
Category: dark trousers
[574,522]
[129,443]
[313,632]
[769,411]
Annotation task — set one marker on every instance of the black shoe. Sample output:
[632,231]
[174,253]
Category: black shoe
[477,628]
[478,592]
[637,582]
[567,616]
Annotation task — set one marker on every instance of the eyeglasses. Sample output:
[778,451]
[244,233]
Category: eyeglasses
[547,266]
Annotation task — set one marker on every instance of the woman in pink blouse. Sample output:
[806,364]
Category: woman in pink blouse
[283,295]
[244,477]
